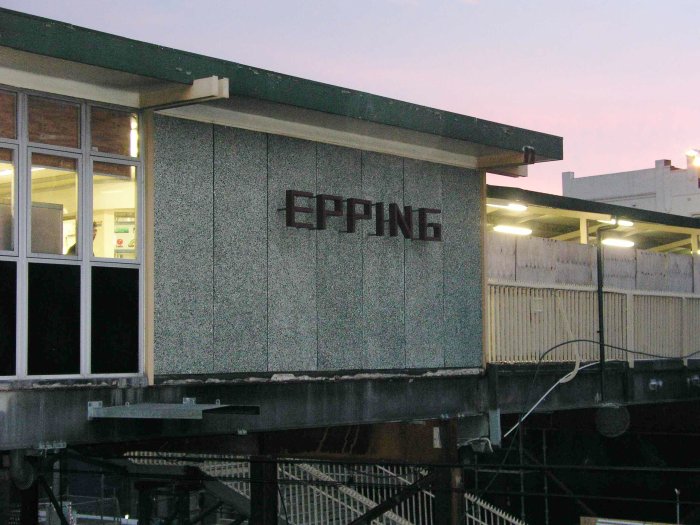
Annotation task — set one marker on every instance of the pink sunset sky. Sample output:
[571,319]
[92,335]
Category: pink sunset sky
[618,79]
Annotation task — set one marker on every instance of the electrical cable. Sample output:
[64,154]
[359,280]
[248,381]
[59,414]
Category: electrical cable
[284,505]
[568,377]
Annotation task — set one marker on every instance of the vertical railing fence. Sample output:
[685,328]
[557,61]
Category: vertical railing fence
[332,493]
[526,320]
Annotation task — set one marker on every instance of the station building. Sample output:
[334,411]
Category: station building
[201,257]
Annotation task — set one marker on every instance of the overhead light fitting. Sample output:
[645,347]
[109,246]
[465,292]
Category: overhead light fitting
[511,206]
[619,222]
[695,155]
[620,243]
[514,230]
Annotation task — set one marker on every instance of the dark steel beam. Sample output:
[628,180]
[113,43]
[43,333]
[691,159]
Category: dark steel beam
[56,505]
[395,500]
[263,492]
[60,414]
[29,505]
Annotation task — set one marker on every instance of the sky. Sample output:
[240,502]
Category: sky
[618,79]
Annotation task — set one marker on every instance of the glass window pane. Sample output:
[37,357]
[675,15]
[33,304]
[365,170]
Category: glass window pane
[114,210]
[7,199]
[8,115]
[54,182]
[54,319]
[114,132]
[8,317]
[54,122]
[115,320]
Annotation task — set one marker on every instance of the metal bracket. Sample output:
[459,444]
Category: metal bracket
[48,446]
[189,409]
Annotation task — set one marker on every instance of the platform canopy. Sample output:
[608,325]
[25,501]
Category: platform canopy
[56,57]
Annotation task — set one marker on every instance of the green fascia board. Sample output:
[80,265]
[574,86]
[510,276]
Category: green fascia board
[68,42]
[547,200]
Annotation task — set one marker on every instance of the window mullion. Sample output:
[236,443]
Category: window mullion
[22,216]
[85,232]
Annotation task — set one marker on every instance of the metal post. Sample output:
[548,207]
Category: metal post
[442,504]
[29,505]
[263,491]
[546,479]
[521,430]
[678,506]
[102,497]
[56,505]
[182,504]
[601,316]
[145,508]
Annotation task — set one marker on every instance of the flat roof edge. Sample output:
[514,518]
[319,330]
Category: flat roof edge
[68,42]
[572,203]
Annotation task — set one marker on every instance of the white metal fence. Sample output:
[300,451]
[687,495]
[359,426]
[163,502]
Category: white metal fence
[526,320]
[480,512]
[333,494]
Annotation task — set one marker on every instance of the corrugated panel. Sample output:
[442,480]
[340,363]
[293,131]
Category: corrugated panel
[500,256]
[696,274]
[691,321]
[615,307]
[525,322]
[658,325]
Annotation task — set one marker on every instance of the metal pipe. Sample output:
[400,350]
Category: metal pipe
[21,471]
[546,478]
[601,316]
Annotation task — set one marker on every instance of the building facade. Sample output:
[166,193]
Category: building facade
[663,188]
[198,256]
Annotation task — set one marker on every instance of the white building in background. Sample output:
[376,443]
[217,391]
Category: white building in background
[664,188]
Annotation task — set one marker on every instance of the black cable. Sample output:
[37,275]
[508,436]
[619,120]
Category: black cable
[284,505]
[534,378]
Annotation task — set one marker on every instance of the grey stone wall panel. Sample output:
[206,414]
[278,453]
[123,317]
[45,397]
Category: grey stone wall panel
[237,291]
[339,264]
[383,276]
[292,310]
[240,250]
[462,191]
[424,272]
[183,242]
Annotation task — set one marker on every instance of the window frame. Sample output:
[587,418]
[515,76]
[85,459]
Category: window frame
[18,128]
[15,199]
[24,119]
[79,216]
[22,255]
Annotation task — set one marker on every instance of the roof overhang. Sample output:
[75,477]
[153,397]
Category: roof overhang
[50,56]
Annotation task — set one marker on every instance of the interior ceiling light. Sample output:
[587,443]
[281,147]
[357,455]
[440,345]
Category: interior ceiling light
[511,206]
[514,230]
[620,243]
[619,222]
